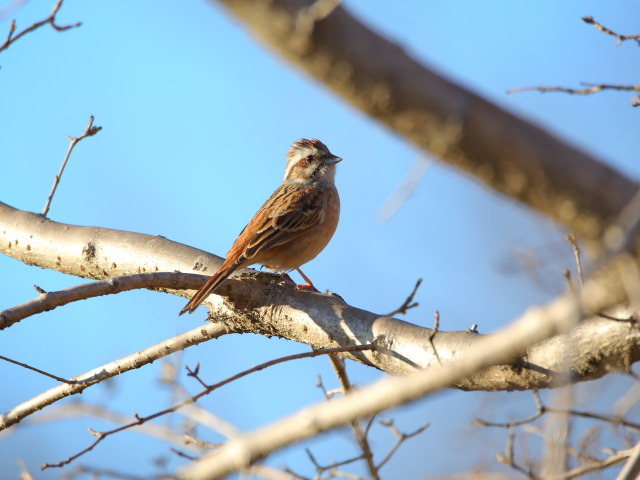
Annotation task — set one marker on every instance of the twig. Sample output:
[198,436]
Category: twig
[621,38]
[407,305]
[341,372]
[100,436]
[49,300]
[400,438]
[508,458]
[573,240]
[589,89]
[41,372]
[88,132]
[631,469]
[51,20]
[432,335]
[542,409]
[109,370]
[613,459]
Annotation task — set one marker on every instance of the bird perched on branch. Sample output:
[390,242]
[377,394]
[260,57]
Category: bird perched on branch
[295,223]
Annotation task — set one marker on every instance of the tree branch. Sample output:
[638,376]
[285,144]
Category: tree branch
[97,375]
[263,303]
[51,20]
[385,82]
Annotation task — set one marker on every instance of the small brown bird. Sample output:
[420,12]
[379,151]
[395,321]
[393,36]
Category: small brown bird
[294,224]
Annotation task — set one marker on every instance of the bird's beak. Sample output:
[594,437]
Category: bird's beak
[332,160]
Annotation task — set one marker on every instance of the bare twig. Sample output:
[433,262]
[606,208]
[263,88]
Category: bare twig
[109,370]
[611,460]
[51,20]
[100,436]
[541,409]
[432,335]
[573,240]
[88,132]
[408,303]
[631,469]
[621,38]
[341,372]
[49,300]
[400,438]
[508,458]
[589,89]
[41,372]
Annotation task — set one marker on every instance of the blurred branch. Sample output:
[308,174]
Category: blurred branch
[621,38]
[51,20]
[360,435]
[88,132]
[387,83]
[100,436]
[111,369]
[582,91]
[589,89]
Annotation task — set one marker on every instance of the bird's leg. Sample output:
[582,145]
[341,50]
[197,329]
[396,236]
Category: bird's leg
[309,285]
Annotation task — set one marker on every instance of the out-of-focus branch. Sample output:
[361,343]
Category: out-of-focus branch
[621,38]
[100,436]
[385,82]
[97,375]
[533,327]
[51,20]
[589,89]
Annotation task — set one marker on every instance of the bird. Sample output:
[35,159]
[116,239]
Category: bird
[293,226]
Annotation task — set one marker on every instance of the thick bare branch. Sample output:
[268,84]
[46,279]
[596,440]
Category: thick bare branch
[261,303]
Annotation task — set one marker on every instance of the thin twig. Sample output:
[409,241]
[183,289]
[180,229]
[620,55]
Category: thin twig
[88,132]
[51,20]
[400,438]
[407,305]
[621,38]
[589,89]
[573,240]
[100,436]
[41,372]
[540,410]
[341,372]
[49,300]
[432,335]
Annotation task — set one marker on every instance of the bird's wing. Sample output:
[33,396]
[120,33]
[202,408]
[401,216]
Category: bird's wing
[290,211]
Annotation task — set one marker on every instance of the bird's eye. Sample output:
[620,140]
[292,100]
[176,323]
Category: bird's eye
[309,159]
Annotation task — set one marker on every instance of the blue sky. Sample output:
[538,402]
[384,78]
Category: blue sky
[197,117]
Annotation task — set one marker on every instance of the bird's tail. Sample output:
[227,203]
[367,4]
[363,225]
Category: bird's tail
[209,286]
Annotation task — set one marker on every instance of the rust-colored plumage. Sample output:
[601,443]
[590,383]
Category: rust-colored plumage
[293,225]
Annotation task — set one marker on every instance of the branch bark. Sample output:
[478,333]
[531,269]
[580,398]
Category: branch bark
[264,303]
